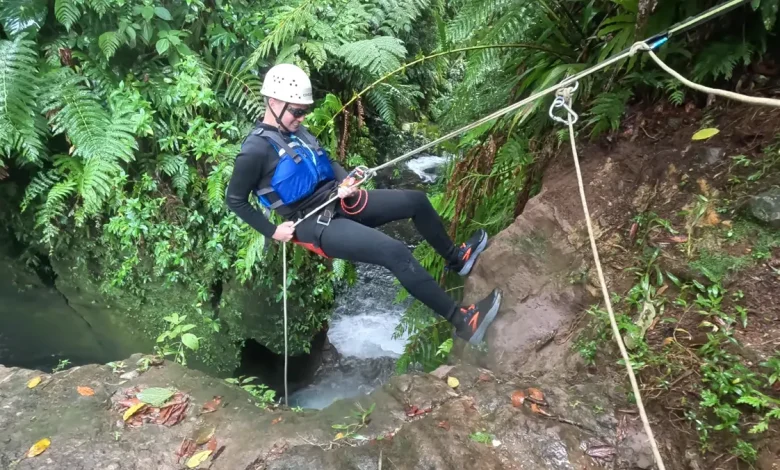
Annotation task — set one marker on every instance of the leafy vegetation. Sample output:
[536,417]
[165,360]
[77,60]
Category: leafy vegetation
[120,122]
[502,161]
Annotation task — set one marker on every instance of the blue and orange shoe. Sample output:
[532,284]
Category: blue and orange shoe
[469,251]
[471,323]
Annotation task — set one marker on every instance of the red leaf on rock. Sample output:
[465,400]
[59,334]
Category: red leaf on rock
[277,420]
[518,398]
[211,406]
[444,425]
[212,444]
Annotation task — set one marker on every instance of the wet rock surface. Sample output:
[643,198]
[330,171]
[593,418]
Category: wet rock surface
[418,422]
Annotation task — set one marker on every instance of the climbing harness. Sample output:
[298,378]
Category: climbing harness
[563,100]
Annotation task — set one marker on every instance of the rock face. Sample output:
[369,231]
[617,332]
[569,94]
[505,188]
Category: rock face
[766,207]
[536,267]
[87,432]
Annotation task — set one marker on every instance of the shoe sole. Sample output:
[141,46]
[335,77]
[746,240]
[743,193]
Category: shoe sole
[473,258]
[476,338]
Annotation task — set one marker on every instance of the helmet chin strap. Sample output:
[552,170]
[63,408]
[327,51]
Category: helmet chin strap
[279,118]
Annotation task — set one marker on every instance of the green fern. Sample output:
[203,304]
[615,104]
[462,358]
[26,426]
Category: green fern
[18,95]
[67,12]
[175,166]
[287,22]
[607,110]
[239,85]
[109,42]
[720,59]
[217,183]
[376,56]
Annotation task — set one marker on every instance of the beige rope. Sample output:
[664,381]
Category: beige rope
[714,91]
[605,293]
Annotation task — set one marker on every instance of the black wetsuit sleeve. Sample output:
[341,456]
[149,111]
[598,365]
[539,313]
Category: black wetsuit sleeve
[250,166]
[339,171]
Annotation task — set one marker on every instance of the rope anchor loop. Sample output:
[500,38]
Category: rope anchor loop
[563,99]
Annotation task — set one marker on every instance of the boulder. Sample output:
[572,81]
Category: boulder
[766,207]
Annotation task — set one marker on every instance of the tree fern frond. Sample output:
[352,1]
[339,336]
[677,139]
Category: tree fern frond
[316,52]
[217,182]
[100,6]
[606,111]
[175,166]
[241,86]
[18,96]
[94,185]
[382,103]
[67,12]
[288,22]
[379,55]
[109,42]
[54,207]
[41,183]
[720,59]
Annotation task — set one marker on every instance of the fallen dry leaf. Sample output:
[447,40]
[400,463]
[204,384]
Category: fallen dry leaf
[277,420]
[601,452]
[536,395]
[444,425]
[413,411]
[339,436]
[211,405]
[518,398]
[132,410]
[186,449]
[536,409]
[632,233]
[85,391]
[38,447]
[663,289]
[198,458]
[712,217]
[33,382]
[678,238]
[484,378]
[453,382]
[204,435]
[668,341]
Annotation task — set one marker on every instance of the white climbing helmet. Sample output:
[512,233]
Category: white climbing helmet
[288,83]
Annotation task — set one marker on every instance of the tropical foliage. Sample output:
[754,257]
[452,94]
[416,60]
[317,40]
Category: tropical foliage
[121,119]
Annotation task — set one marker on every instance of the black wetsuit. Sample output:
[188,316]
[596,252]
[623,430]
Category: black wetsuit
[351,237]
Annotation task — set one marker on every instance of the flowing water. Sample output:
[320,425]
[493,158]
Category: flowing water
[366,317]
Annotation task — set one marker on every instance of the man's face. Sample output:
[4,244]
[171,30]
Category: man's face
[293,115]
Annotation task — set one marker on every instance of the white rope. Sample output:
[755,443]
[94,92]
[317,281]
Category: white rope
[284,288]
[714,91]
[564,101]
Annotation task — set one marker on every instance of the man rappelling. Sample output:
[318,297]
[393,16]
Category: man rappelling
[285,168]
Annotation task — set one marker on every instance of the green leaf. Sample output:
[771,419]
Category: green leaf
[190,340]
[147,12]
[705,134]
[163,13]
[162,46]
[156,396]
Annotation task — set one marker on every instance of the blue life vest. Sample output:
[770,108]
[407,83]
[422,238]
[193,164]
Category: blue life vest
[302,166]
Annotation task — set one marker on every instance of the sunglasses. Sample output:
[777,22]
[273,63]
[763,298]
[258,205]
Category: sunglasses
[298,112]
